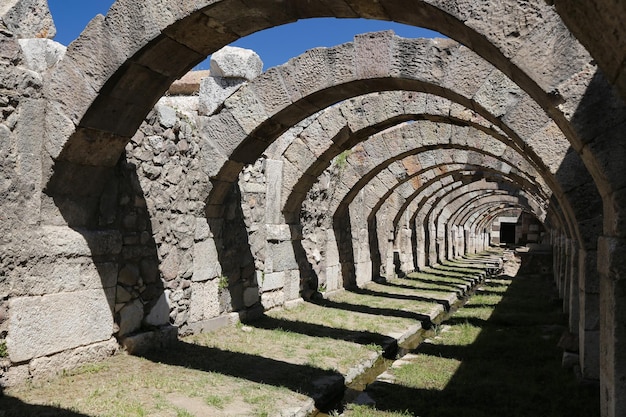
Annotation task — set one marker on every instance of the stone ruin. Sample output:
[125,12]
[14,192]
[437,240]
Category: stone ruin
[135,208]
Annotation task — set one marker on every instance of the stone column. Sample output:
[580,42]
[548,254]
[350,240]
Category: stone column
[589,318]
[469,241]
[612,267]
[420,239]
[280,281]
[360,240]
[574,304]
[567,270]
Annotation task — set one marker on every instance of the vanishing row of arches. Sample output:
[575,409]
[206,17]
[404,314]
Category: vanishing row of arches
[439,137]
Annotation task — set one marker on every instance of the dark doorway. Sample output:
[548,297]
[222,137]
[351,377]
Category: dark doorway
[507,233]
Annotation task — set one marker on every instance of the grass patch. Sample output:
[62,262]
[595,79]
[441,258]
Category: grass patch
[496,353]
[365,411]
[265,367]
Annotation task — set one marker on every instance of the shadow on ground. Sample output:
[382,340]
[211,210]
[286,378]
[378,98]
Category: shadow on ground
[513,367]
[12,407]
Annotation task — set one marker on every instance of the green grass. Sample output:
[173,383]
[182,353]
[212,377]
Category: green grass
[496,353]
[269,365]
[365,411]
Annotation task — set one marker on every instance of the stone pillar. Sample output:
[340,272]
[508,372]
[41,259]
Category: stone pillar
[564,271]
[64,299]
[431,244]
[589,318]
[612,267]
[360,240]
[567,271]
[574,304]
[420,239]
[556,264]
[333,267]
[280,281]
[405,249]
[468,239]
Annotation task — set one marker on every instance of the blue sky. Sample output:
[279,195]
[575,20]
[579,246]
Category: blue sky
[275,46]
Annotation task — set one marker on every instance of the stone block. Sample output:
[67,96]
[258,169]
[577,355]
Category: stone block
[272,299]
[214,91]
[207,326]
[41,54]
[189,83]
[332,277]
[292,284]
[40,326]
[160,313]
[41,368]
[204,303]
[274,175]
[272,281]
[236,62]
[166,115]
[363,273]
[141,343]
[131,317]
[280,257]
[28,18]
[251,296]
[206,264]
[129,275]
[64,241]
[203,230]
[278,232]
[14,375]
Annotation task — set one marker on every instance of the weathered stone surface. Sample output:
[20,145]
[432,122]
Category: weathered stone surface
[188,84]
[233,62]
[272,281]
[166,114]
[160,312]
[80,318]
[206,261]
[64,241]
[143,342]
[204,301]
[274,173]
[129,275]
[282,257]
[14,375]
[210,325]
[41,54]
[46,367]
[272,299]
[278,232]
[64,276]
[28,18]
[251,296]
[214,91]
[131,317]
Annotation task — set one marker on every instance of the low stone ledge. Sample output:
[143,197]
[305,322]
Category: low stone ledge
[290,304]
[50,324]
[144,342]
[210,325]
[46,367]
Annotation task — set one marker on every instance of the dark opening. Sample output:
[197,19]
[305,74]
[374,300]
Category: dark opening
[507,233]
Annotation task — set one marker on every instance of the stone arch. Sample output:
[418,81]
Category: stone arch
[458,143]
[174,30]
[451,198]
